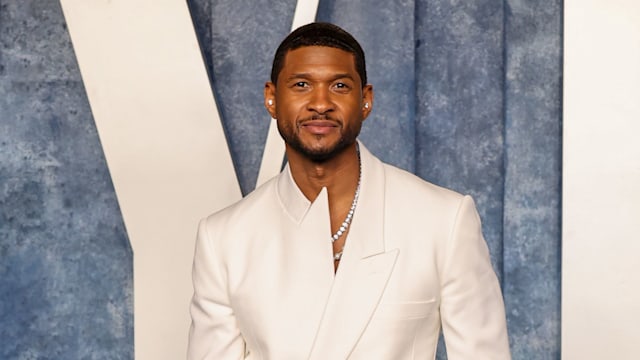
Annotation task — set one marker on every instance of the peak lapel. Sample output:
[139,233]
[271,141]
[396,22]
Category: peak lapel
[364,271]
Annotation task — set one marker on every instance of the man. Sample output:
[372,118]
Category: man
[341,256]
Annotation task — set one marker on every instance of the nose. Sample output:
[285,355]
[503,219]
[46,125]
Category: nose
[320,101]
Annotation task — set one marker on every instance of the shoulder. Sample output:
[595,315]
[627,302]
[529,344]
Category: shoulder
[402,184]
[259,201]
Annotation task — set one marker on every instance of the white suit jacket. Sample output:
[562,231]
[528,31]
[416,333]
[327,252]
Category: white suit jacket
[414,262]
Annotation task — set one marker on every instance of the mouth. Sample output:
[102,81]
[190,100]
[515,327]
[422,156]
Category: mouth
[319,126]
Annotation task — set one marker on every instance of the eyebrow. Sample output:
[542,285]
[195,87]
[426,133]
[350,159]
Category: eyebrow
[308,76]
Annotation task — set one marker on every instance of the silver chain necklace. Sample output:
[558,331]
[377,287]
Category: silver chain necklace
[347,221]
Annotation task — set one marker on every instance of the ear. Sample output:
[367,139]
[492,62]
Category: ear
[367,100]
[270,98]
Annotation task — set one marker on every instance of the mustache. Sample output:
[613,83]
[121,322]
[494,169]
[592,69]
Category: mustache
[319,117]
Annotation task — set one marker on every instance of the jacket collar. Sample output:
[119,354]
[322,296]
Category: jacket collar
[295,204]
[368,219]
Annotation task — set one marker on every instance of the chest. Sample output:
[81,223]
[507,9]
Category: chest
[282,283]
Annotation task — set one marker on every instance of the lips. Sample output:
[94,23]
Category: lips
[319,127]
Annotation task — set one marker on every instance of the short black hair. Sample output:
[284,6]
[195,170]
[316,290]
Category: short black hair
[320,34]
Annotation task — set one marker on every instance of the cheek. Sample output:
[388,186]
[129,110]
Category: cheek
[284,112]
[357,110]
[290,109]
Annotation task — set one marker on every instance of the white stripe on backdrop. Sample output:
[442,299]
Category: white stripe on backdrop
[164,144]
[601,181]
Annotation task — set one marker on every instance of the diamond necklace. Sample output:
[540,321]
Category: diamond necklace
[347,221]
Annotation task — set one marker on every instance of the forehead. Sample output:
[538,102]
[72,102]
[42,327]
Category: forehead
[309,59]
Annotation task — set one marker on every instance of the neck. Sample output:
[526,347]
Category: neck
[338,174]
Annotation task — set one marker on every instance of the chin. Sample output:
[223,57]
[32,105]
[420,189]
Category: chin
[322,153]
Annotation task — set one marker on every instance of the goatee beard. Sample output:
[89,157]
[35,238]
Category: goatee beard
[322,155]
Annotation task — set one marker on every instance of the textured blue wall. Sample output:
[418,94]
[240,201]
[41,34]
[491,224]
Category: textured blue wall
[467,96]
[533,161]
[65,260]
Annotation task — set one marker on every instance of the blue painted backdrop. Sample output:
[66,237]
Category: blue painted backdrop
[467,96]
[65,262]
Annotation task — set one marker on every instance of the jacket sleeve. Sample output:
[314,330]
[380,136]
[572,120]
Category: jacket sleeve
[214,333]
[472,309]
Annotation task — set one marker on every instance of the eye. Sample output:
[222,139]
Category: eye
[341,87]
[301,84]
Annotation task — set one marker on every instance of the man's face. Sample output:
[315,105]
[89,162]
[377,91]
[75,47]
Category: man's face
[319,101]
